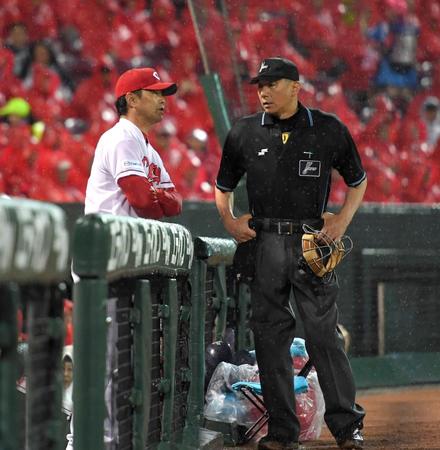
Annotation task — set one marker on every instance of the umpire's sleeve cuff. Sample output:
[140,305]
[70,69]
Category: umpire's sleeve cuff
[223,188]
[358,182]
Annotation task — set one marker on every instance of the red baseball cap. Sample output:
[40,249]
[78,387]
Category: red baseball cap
[143,78]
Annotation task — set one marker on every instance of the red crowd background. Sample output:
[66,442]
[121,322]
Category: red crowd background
[375,64]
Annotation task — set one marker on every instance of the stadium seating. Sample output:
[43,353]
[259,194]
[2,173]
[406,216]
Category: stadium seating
[63,65]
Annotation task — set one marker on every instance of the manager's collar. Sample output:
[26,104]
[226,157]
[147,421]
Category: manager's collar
[128,124]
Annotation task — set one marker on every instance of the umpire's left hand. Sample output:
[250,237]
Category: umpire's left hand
[334,226]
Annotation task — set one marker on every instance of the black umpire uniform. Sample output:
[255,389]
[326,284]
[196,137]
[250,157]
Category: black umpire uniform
[288,165]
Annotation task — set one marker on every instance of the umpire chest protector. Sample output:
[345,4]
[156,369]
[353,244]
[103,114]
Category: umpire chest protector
[289,162]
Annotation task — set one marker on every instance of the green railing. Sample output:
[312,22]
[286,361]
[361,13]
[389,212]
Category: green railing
[161,297]
[109,249]
[210,254]
[34,249]
[158,258]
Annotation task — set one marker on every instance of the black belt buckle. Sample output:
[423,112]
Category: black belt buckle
[285,228]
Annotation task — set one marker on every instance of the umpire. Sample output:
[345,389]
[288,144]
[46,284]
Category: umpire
[288,152]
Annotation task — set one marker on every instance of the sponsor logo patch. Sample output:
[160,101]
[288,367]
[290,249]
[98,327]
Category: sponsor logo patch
[127,163]
[263,151]
[309,168]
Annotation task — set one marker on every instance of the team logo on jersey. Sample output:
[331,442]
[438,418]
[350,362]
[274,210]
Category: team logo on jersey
[285,136]
[263,151]
[153,171]
[309,168]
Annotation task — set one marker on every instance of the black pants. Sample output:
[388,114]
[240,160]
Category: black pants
[273,324]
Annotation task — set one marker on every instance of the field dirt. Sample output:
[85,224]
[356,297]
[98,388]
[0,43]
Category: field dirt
[406,418]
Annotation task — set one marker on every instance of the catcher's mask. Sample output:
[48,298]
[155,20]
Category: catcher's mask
[322,254]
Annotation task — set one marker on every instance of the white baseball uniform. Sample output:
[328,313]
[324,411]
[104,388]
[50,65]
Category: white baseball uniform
[122,151]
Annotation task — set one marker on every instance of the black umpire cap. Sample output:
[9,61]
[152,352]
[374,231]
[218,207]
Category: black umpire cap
[273,69]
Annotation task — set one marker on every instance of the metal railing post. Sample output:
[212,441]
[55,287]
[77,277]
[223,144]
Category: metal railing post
[90,297]
[197,351]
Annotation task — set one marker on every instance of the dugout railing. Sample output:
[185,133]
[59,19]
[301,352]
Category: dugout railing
[34,251]
[214,308]
[171,297]
[142,267]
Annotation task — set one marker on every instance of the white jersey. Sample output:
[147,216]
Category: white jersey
[122,151]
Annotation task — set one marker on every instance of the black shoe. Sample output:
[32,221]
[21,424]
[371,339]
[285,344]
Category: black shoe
[354,440]
[267,443]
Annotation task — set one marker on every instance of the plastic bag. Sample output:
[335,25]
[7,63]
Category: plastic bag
[222,403]
[310,406]
[310,409]
[225,405]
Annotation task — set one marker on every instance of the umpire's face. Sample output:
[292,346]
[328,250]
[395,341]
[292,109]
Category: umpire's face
[279,97]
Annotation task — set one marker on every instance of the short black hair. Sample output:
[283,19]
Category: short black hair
[121,103]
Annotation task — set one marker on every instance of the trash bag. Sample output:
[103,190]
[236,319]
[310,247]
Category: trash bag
[225,405]
[222,402]
[310,409]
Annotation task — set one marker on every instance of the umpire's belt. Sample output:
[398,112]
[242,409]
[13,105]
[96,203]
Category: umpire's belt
[283,226]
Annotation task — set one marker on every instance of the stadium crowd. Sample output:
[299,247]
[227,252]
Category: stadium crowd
[374,63]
